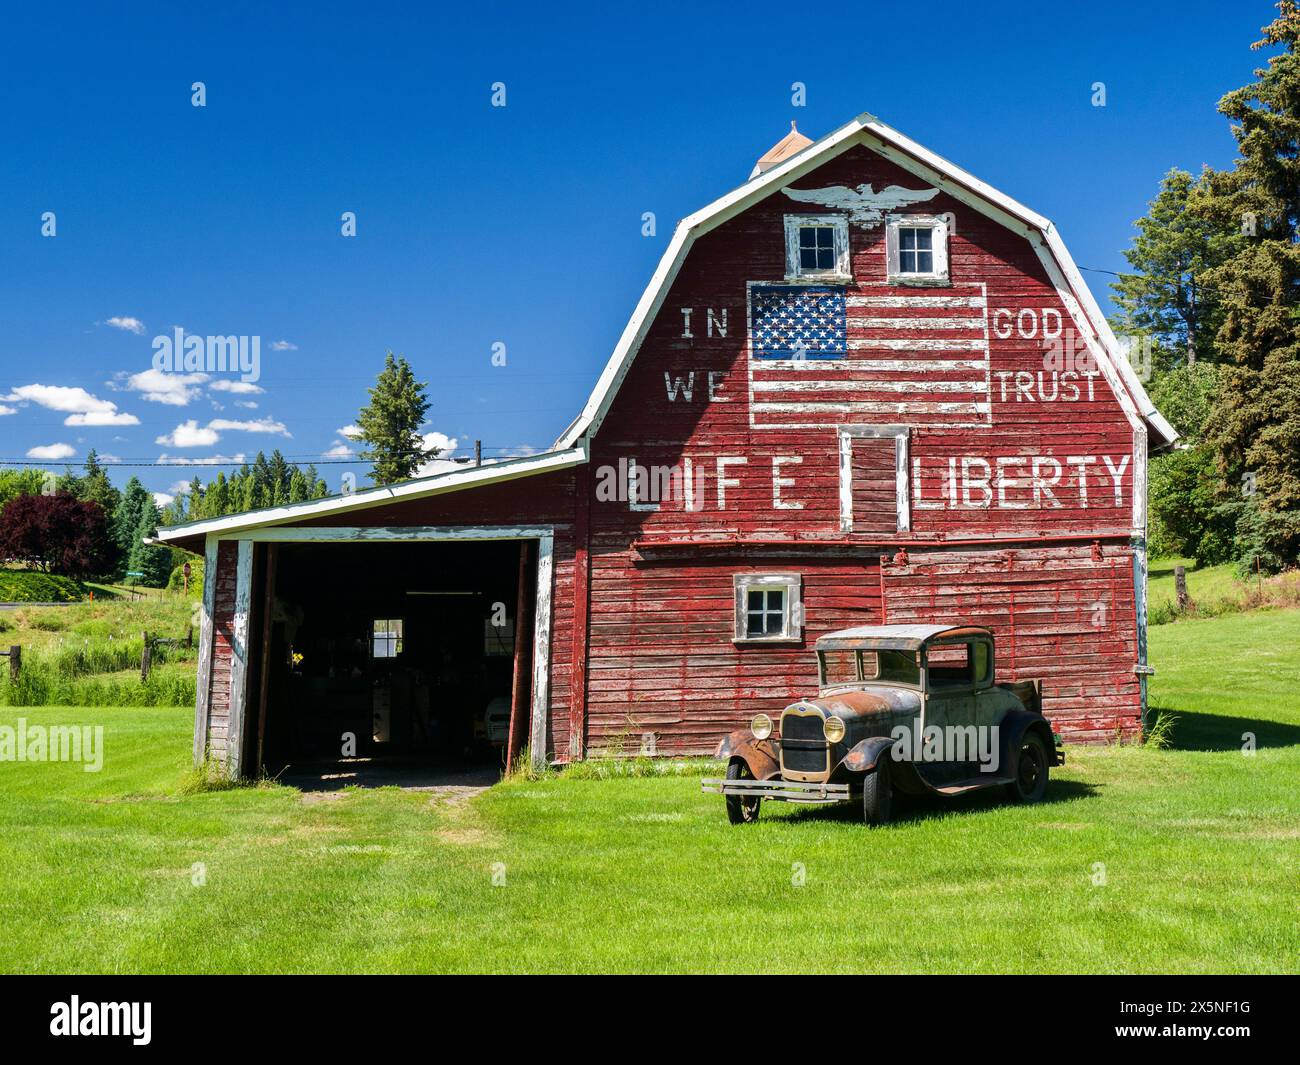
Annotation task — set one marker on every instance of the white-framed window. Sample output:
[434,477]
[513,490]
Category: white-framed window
[916,247]
[816,247]
[386,638]
[769,607]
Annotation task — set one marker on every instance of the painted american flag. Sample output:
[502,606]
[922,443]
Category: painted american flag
[831,355]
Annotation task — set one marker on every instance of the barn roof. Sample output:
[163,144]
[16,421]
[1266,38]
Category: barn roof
[892,637]
[417,488]
[868,130]
[796,160]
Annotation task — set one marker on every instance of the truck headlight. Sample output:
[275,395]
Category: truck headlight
[761,726]
[833,729]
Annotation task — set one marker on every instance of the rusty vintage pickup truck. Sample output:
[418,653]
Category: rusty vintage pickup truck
[907,708]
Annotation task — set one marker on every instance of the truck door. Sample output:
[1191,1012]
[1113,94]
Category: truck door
[951,702]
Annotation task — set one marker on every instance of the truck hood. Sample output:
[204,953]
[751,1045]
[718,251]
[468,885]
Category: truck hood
[876,702]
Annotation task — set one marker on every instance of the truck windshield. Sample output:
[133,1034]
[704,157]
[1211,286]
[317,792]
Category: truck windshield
[854,667]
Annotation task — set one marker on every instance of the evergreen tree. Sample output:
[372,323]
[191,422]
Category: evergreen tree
[1176,245]
[135,504]
[95,487]
[1255,425]
[390,423]
[154,561]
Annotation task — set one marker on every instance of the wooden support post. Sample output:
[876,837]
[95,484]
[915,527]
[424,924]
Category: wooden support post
[1180,588]
[264,673]
[519,685]
[581,609]
[145,658]
[15,662]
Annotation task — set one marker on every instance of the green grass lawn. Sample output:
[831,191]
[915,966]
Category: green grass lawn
[1197,843]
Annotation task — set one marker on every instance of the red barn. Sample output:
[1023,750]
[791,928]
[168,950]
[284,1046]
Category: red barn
[862,387]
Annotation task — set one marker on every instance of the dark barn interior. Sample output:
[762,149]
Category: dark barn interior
[372,662]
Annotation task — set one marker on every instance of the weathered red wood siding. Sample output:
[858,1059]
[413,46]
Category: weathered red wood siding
[223,618]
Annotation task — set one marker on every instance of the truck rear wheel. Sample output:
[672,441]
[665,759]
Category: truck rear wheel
[877,793]
[740,809]
[1030,781]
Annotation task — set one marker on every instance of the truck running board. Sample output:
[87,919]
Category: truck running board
[781,790]
[961,787]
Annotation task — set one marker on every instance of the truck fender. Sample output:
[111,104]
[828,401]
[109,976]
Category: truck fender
[864,755]
[761,756]
[1012,731]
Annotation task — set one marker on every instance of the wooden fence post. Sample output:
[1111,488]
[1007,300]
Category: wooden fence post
[145,658]
[15,661]
[1180,588]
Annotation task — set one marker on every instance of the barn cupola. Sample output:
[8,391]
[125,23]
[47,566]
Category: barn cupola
[791,144]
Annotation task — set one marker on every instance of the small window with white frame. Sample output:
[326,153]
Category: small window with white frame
[386,638]
[917,249]
[769,607]
[816,247]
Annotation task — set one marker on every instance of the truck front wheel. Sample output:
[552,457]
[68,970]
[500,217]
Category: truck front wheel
[877,793]
[741,810]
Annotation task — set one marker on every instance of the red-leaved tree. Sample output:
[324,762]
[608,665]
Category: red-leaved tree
[57,534]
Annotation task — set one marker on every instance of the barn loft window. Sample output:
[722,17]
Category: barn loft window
[816,247]
[768,607]
[874,483]
[916,247]
[386,638]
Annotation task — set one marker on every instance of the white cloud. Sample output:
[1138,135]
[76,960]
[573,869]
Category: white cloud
[100,417]
[52,452]
[127,323]
[179,488]
[350,432]
[211,460]
[261,425]
[247,388]
[173,389]
[162,498]
[189,434]
[247,404]
[441,441]
[7,410]
[340,450]
[61,398]
[283,345]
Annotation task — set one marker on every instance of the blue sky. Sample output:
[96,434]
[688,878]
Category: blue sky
[478,225]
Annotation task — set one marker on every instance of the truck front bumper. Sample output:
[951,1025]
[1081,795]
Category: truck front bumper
[778,790]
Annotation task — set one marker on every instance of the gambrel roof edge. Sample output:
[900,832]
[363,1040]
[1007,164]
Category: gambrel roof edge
[943,174]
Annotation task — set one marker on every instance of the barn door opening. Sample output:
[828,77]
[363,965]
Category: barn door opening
[387,662]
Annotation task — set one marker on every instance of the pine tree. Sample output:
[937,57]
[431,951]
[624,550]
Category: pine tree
[136,502]
[390,423]
[1176,245]
[96,487]
[1255,426]
[152,560]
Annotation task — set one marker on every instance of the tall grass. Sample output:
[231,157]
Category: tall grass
[41,683]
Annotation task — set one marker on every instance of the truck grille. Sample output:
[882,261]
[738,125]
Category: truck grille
[794,727]
[803,745]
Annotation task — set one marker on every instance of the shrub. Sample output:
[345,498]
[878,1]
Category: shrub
[32,586]
[176,582]
[56,534]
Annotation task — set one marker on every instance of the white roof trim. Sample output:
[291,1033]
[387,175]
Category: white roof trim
[453,481]
[951,178]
